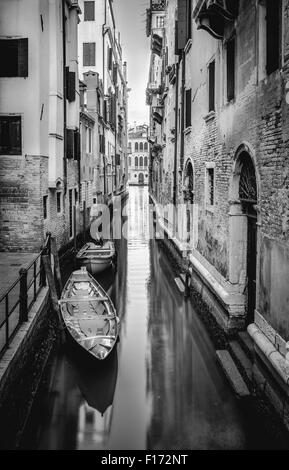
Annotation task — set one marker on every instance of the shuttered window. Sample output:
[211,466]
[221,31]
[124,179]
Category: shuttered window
[188,107]
[88,54]
[109,58]
[273,39]
[14,57]
[89,10]
[10,135]
[231,53]
[210,187]
[69,143]
[212,86]
[70,85]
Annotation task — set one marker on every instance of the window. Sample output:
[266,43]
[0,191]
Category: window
[58,201]
[136,161]
[145,146]
[188,107]
[88,54]
[231,51]
[136,147]
[45,200]
[76,196]
[14,57]
[129,161]
[141,146]
[10,135]
[145,161]
[212,86]
[109,58]
[160,21]
[210,196]
[273,34]
[141,161]
[89,11]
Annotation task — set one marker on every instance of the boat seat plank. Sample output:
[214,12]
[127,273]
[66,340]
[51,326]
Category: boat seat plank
[83,299]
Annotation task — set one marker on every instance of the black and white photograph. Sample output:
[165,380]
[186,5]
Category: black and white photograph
[144,228]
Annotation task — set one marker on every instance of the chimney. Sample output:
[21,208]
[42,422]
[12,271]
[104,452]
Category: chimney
[91,80]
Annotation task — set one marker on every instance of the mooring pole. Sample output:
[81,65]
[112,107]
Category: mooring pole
[53,292]
[57,271]
[74,237]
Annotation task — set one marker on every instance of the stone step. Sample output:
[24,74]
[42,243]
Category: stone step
[180,284]
[232,373]
[247,344]
[242,359]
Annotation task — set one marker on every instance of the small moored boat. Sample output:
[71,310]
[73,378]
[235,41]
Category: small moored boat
[96,258]
[89,314]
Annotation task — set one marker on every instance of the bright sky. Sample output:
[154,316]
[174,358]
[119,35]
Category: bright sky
[131,22]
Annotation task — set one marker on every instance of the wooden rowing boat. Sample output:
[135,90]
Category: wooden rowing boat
[89,314]
[96,258]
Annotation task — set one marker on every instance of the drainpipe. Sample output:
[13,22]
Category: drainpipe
[176,135]
[182,143]
[64,97]
[104,32]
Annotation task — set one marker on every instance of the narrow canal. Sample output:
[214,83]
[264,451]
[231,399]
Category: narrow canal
[162,388]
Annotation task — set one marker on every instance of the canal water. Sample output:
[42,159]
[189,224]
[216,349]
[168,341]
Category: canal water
[162,387]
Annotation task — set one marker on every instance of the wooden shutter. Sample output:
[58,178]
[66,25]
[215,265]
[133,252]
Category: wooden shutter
[71,86]
[23,57]
[182,24]
[69,143]
[115,74]
[109,58]
[273,20]
[76,145]
[231,69]
[89,14]
[88,54]
[212,86]
[188,107]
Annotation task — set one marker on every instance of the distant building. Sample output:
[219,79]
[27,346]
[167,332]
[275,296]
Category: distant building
[39,121]
[138,157]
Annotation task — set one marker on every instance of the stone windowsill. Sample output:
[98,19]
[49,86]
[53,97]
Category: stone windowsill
[210,116]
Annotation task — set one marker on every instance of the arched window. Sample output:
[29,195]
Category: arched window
[136,146]
[141,146]
[129,161]
[145,145]
[145,161]
[141,161]
[136,161]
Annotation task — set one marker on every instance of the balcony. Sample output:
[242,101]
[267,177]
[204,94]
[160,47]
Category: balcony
[213,15]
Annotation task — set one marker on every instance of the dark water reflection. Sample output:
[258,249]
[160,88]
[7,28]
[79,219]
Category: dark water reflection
[162,387]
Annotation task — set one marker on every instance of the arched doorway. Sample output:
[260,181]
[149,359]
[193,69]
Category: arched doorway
[141,178]
[243,228]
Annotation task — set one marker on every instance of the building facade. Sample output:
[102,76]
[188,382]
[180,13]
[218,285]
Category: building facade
[39,121]
[100,52]
[138,155]
[219,132]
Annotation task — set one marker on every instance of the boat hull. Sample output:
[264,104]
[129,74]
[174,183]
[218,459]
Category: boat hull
[89,315]
[95,259]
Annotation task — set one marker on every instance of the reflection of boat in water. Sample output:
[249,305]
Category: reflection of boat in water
[96,382]
[89,314]
[96,258]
